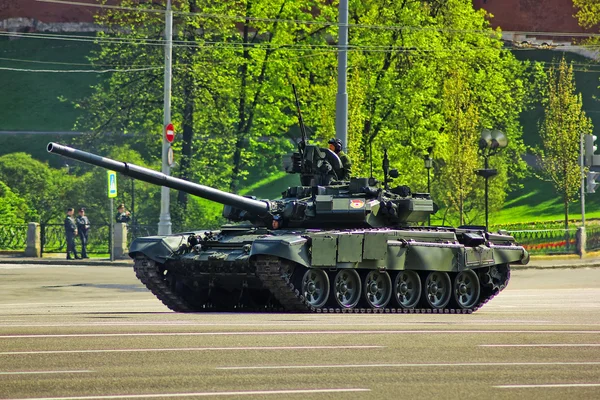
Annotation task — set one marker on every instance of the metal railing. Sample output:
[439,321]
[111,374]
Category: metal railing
[13,237]
[54,241]
[547,241]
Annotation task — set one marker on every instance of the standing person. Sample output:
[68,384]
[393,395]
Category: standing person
[83,227]
[70,233]
[336,145]
[123,215]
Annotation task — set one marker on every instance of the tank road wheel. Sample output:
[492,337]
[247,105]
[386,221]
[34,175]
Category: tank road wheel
[378,289]
[495,278]
[315,287]
[466,289]
[407,289]
[346,288]
[437,290]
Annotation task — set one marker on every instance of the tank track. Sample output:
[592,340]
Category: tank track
[148,273]
[274,274]
[271,271]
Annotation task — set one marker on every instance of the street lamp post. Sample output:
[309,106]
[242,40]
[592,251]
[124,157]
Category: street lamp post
[428,163]
[491,142]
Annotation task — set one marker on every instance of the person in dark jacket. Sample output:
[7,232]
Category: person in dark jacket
[70,233]
[123,215]
[336,145]
[83,227]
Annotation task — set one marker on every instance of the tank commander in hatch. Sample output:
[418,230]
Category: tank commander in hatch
[122,216]
[335,145]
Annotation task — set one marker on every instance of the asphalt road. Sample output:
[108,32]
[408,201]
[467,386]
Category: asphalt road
[79,332]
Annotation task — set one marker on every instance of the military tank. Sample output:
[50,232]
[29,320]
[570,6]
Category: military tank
[324,246]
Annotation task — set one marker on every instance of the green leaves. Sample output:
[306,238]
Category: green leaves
[564,122]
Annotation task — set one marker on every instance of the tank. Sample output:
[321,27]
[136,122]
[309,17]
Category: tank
[324,246]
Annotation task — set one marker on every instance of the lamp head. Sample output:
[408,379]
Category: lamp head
[493,139]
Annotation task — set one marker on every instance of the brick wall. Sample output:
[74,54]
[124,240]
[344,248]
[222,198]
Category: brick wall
[48,12]
[510,15]
[532,15]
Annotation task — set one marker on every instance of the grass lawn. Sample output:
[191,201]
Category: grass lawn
[30,100]
[536,202]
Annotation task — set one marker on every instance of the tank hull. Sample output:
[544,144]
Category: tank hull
[243,268]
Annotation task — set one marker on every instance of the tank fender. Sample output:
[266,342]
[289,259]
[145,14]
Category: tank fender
[289,247]
[512,254]
[157,248]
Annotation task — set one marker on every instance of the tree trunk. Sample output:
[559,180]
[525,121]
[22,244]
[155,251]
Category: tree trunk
[461,209]
[188,136]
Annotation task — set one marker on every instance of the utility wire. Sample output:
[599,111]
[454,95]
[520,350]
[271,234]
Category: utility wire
[103,71]
[70,63]
[265,46]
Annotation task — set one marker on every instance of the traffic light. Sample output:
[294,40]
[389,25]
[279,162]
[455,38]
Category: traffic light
[591,181]
[590,149]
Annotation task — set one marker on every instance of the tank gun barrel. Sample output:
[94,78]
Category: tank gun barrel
[158,178]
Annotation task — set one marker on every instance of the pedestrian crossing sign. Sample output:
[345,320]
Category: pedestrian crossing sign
[112,184]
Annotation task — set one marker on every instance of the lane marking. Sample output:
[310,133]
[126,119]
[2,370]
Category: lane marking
[38,266]
[272,333]
[83,302]
[481,364]
[543,345]
[44,372]
[349,347]
[17,324]
[202,394]
[552,385]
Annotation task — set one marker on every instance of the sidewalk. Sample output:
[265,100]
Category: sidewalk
[60,259]
[536,262]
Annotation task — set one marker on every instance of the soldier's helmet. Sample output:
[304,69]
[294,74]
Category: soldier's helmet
[336,143]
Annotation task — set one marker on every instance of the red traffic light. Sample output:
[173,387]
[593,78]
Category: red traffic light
[169,133]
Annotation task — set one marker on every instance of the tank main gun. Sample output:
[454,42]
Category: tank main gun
[258,208]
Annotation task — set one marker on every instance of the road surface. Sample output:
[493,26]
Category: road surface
[90,332]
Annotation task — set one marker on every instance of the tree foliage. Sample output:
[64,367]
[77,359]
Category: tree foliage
[588,13]
[47,191]
[564,122]
[232,63]
[402,56]
[13,208]
[460,162]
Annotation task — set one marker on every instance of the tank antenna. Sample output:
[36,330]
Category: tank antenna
[304,139]
[386,169]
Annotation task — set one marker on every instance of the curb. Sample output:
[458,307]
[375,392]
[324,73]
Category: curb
[50,261]
[516,267]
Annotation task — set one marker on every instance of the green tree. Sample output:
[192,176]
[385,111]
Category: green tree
[232,65]
[460,143]
[13,208]
[402,53]
[46,190]
[564,122]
